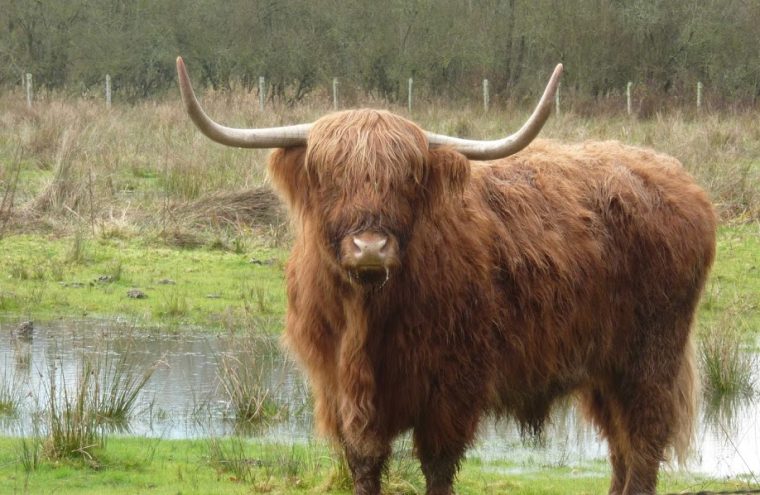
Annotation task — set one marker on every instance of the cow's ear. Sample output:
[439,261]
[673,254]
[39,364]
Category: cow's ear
[287,169]
[449,172]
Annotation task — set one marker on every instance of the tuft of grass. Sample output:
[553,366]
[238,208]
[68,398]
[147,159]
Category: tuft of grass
[73,427]
[339,476]
[173,305]
[11,393]
[183,181]
[404,475]
[244,378]
[8,300]
[121,380]
[30,448]
[19,271]
[9,178]
[229,456]
[257,300]
[103,396]
[114,271]
[726,367]
[30,451]
[239,245]
[77,251]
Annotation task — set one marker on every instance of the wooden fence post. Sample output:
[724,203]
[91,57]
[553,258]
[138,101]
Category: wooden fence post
[409,102]
[699,95]
[486,96]
[335,93]
[108,91]
[29,89]
[261,93]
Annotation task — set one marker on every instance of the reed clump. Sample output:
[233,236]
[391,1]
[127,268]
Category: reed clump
[101,397]
[11,393]
[727,368]
[249,381]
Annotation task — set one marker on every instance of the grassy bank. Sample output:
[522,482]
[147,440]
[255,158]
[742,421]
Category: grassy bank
[239,285]
[213,286]
[141,465]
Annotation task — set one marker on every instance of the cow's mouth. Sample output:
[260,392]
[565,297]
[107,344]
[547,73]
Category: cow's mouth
[375,275]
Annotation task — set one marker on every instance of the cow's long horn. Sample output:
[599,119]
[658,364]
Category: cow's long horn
[499,148]
[272,137]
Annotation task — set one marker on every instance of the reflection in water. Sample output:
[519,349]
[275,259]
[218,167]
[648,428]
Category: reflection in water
[185,398]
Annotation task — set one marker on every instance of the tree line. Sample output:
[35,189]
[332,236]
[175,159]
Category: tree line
[447,46]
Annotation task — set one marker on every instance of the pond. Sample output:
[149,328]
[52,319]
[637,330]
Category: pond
[184,397]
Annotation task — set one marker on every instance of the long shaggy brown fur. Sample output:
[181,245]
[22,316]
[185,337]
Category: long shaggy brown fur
[564,269]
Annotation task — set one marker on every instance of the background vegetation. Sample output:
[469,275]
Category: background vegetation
[448,46]
[96,202]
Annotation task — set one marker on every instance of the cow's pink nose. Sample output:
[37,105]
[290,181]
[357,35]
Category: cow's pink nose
[370,250]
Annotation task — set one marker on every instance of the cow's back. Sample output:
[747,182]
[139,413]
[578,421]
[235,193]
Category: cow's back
[599,248]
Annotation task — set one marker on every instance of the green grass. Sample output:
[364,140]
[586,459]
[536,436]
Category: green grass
[199,287]
[236,466]
[731,301]
[221,288]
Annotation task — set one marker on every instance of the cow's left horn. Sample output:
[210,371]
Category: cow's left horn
[272,137]
[499,148]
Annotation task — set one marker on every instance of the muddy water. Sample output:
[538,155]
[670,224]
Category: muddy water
[184,398]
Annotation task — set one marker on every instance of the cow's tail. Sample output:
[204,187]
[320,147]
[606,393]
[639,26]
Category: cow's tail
[687,392]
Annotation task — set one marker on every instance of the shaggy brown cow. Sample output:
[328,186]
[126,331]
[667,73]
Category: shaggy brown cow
[426,290]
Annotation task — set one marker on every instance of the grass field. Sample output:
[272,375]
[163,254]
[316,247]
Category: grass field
[138,465]
[215,287]
[96,203]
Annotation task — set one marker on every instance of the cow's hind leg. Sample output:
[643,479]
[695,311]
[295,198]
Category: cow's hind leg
[648,418]
[656,397]
[603,410]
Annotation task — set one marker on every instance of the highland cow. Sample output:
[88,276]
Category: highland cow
[427,290]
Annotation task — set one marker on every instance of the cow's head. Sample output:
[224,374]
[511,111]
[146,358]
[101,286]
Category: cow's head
[361,178]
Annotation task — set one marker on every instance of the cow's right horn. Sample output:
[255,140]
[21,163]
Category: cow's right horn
[500,148]
[271,137]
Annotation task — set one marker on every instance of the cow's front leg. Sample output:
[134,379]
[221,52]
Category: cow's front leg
[440,453]
[366,470]
[441,440]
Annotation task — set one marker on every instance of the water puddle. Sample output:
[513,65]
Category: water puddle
[184,397]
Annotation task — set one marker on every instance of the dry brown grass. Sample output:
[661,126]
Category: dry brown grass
[131,168]
[246,208]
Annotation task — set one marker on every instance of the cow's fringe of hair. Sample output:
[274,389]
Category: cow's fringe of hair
[385,148]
